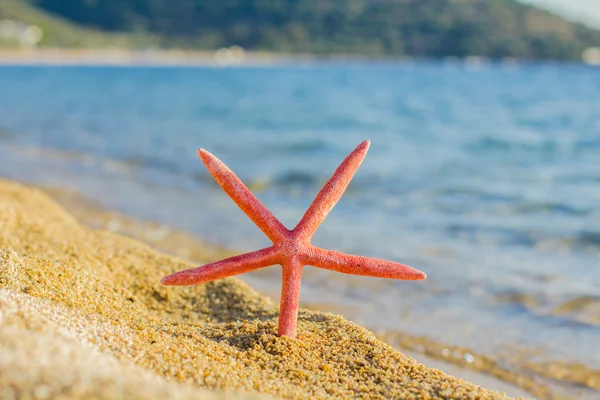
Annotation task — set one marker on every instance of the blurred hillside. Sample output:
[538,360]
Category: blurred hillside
[420,28]
[23,25]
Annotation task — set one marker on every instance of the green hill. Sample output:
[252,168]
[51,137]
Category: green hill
[60,32]
[420,28]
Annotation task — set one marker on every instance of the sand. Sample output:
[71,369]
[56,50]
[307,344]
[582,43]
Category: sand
[83,315]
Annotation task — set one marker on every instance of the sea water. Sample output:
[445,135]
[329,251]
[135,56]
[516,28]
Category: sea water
[488,180]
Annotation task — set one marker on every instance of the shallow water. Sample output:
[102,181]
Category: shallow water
[487,180]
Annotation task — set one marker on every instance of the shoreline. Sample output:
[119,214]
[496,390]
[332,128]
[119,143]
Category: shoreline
[151,57]
[101,290]
[189,247]
[227,57]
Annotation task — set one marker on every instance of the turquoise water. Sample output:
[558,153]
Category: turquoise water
[487,180]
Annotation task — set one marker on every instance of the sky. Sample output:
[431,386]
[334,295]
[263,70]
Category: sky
[587,11]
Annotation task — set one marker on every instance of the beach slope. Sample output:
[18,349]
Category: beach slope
[83,315]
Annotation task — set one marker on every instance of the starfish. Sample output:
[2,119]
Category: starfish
[291,248]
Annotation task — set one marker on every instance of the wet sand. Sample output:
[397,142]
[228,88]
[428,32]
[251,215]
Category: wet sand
[82,315]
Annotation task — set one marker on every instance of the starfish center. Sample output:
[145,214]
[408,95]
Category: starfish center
[291,247]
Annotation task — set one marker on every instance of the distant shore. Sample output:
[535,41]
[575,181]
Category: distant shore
[231,57]
[226,57]
[154,57]
[125,57]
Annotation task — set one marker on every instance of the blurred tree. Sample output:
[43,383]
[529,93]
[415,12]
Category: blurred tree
[435,28]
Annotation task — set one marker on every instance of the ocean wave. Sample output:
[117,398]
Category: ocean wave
[587,239]
[497,235]
[548,207]
[583,240]
[300,146]
[586,146]
[297,178]
[580,310]
[4,133]
[152,162]
[535,144]
[532,237]
[536,373]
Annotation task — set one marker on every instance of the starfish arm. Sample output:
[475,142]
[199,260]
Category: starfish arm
[241,195]
[331,192]
[290,297]
[359,265]
[222,269]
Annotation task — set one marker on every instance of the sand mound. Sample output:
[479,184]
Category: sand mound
[82,315]
[41,359]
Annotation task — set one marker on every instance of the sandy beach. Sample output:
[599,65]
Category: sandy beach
[82,315]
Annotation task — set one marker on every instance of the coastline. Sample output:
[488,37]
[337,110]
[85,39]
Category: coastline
[226,57]
[189,247]
[150,57]
[26,208]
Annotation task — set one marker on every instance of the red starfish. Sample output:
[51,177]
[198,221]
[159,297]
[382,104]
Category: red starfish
[291,248]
